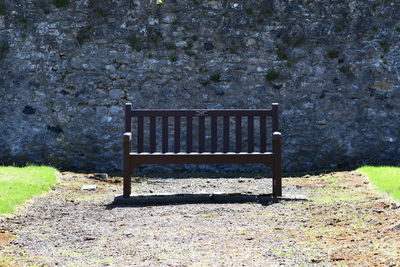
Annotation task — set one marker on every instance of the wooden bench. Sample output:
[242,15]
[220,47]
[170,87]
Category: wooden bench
[134,159]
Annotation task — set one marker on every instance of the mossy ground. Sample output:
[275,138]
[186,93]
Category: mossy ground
[344,222]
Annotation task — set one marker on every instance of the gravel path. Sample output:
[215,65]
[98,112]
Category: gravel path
[344,222]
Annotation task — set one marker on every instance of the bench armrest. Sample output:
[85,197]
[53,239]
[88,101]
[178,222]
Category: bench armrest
[127,136]
[277,136]
[127,143]
[276,143]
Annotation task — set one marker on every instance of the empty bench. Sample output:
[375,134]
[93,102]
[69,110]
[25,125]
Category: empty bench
[152,155]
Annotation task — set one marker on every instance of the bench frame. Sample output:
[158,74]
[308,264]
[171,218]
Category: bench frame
[135,159]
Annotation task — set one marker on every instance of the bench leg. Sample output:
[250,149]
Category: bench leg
[276,181]
[127,167]
[277,166]
[127,183]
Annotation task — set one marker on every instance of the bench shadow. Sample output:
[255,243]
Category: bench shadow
[182,199]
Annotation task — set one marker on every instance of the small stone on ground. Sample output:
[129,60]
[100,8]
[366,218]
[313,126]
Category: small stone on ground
[88,188]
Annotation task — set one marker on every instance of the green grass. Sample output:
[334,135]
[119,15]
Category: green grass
[216,77]
[20,184]
[385,178]
[333,53]
[60,3]
[271,75]
[2,7]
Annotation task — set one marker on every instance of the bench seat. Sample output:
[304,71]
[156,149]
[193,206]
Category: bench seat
[200,158]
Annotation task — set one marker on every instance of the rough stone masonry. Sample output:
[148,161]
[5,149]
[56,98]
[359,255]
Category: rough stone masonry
[68,66]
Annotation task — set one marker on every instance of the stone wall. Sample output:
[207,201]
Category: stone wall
[68,67]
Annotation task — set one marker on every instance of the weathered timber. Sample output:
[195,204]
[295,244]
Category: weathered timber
[133,160]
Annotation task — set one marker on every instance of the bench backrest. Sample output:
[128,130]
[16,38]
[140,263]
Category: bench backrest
[200,115]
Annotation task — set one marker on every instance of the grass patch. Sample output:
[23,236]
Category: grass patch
[135,44]
[2,7]
[4,46]
[190,53]
[83,35]
[101,12]
[23,20]
[333,53]
[331,197]
[271,75]
[385,178]
[300,40]
[267,11]
[90,197]
[249,11]
[20,184]
[281,53]
[171,46]
[60,3]
[216,77]
[189,45]
[173,58]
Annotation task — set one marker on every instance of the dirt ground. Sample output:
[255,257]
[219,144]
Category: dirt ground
[343,222]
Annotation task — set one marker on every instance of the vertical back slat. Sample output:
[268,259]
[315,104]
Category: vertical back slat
[152,134]
[250,134]
[263,136]
[214,136]
[164,134]
[275,126]
[177,135]
[226,134]
[140,135]
[128,117]
[189,134]
[238,126]
[201,133]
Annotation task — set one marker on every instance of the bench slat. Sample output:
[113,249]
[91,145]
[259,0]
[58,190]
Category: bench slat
[201,134]
[263,135]
[189,134]
[250,134]
[164,134]
[201,158]
[200,112]
[226,134]
[128,119]
[275,125]
[140,135]
[152,134]
[238,126]
[177,135]
[214,136]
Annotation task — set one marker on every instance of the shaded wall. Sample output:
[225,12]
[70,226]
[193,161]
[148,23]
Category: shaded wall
[65,73]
